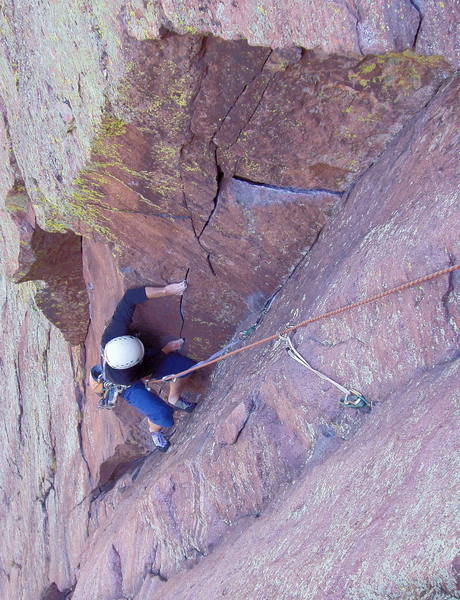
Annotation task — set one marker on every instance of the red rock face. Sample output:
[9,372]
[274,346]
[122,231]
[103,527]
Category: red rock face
[248,257]
[45,483]
[343,27]
[56,260]
[195,112]
[279,183]
[272,489]
[323,121]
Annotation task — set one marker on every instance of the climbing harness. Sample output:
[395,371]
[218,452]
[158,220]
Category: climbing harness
[352,398]
[332,313]
[107,391]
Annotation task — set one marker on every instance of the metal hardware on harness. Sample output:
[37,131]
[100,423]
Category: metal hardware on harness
[110,391]
[110,396]
[352,399]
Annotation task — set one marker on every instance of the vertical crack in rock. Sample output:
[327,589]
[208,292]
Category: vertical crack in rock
[414,3]
[252,113]
[77,362]
[215,200]
[45,357]
[446,298]
[219,177]
[181,306]
[42,499]
[356,15]
[45,361]
[116,569]
[219,180]
[209,261]
[20,403]
[199,60]
[240,95]
[80,440]
[48,483]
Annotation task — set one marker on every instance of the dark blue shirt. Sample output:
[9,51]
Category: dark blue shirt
[119,325]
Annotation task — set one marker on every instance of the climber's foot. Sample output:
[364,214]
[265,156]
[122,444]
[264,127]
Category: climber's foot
[182,404]
[159,441]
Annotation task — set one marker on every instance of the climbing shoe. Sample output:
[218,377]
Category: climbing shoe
[184,405]
[159,441]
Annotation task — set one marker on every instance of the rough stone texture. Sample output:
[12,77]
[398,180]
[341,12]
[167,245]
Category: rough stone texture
[183,124]
[52,125]
[271,489]
[338,530]
[53,105]
[182,112]
[337,27]
[323,121]
[439,29]
[44,479]
[54,259]
[313,500]
[249,256]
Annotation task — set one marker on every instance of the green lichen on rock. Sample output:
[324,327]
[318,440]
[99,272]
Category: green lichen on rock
[17,199]
[112,126]
[55,226]
[395,73]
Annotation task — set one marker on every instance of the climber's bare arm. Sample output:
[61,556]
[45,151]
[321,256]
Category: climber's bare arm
[172,289]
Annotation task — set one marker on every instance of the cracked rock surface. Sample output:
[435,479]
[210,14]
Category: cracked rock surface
[44,477]
[195,113]
[284,160]
[276,491]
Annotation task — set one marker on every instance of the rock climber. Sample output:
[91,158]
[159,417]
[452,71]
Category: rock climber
[128,362]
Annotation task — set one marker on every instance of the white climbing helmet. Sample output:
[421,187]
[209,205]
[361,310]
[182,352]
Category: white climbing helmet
[123,352]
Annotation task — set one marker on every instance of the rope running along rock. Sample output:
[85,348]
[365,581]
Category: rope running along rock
[326,315]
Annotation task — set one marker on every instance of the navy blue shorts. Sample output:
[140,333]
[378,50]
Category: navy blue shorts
[172,363]
[150,404]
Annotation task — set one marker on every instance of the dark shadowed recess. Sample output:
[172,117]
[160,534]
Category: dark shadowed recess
[55,259]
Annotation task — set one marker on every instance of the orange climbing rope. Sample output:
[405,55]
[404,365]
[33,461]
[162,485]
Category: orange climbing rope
[331,313]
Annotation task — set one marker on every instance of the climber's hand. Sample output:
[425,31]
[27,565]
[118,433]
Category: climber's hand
[173,346]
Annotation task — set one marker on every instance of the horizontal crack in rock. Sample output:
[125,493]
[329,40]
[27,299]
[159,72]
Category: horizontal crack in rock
[312,191]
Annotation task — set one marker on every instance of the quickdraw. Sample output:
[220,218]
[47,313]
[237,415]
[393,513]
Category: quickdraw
[352,398]
[356,400]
